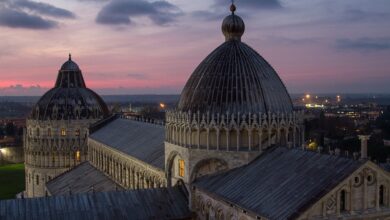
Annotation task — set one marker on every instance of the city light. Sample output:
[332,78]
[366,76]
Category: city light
[162,105]
[314,106]
[308,96]
[312,145]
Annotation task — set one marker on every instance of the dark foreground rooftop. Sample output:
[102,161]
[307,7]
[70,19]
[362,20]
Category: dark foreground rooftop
[281,183]
[162,203]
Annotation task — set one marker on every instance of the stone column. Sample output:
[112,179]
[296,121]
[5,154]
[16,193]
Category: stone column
[294,138]
[198,137]
[377,197]
[269,137]
[261,141]
[363,149]
[208,138]
[190,139]
[227,139]
[238,139]
[217,132]
[250,140]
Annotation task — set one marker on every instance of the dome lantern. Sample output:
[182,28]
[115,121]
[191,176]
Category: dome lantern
[233,26]
[70,98]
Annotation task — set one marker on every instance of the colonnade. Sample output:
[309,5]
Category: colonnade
[124,170]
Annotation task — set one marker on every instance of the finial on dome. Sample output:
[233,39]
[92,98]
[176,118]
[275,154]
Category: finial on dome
[233,7]
[233,26]
[70,56]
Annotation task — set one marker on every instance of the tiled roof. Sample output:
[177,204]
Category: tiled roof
[141,140]
[161,203]
[281,183]
[385,166]
[81,179]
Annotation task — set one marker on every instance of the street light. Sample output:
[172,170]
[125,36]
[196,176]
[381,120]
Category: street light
[1,154]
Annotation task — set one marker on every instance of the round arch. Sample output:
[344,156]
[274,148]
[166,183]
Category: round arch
[208,166]
[169,166]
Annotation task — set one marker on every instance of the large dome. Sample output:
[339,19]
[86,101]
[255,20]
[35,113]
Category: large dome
[234,78]
[70,99]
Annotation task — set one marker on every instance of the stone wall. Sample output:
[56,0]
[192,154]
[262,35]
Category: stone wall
[208,207]
[241,132]
[52,147]
[37,177]
[9,155]
[200,162]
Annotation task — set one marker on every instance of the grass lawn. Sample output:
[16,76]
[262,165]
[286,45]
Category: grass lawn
[11,180]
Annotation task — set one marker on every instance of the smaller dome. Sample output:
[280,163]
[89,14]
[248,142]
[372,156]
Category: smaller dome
[70,99]
[233,26]
[70,65]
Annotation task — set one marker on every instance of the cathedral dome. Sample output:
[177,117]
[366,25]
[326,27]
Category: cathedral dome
[70,99]
[234,78]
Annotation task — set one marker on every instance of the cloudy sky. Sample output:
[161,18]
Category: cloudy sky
[152,47]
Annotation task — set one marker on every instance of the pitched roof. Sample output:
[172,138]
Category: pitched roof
[385,166]
[161,203]
[81,179]
[281,183]
[144,141]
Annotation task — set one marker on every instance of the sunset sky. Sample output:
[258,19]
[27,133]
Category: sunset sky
[152,47]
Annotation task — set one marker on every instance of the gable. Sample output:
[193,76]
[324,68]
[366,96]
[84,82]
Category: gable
[362,194]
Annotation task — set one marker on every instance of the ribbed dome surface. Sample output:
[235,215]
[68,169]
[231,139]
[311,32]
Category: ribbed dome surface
[234,78]
[70,99]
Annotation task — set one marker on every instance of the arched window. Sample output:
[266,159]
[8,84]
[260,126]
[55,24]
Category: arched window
[343,201]
[53,160]
[381,195]
[49,132]
[63,132]
[37,179]
[219,215]
[181,168]
[77,156]
[77,133]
